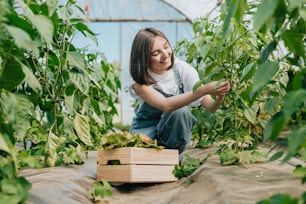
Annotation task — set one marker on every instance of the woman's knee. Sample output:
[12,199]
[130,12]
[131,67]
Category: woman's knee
[182,115]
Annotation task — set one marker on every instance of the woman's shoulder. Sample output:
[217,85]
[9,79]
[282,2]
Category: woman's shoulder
[182,66]
[180,63]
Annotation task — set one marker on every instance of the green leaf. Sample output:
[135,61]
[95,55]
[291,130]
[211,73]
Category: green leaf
[82,128]
[276,156]
[17,109]
[10,186]
[251,156]
[218,83]
[263,75]
[302,12]
[250,115]
[25,159]
[292,4]
[22,39]
[228,156]
[51,146]
[235,9]
[80,80]
[9,198]
[65,12]
[17,189]
[248,71]
[204,50]
[294,42]
[231,8]
[197,85]
[12,74]
[52,4]
[31,79]
[280,199]
[102,189]
[76,59]
[271,104]
[299,171]
[292,101]
[44,26]
[264,12]
[274,126]
[4,145]
[267,51]
[86,32]
[296,139]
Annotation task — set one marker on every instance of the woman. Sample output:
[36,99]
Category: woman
[163,86]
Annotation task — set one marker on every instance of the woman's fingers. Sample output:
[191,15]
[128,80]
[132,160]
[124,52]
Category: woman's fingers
[223,88]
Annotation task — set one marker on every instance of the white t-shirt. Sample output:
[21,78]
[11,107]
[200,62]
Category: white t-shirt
[167,83]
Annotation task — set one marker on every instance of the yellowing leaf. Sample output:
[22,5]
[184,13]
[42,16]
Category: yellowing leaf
[82,128]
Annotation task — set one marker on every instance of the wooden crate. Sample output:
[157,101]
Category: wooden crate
[137,165]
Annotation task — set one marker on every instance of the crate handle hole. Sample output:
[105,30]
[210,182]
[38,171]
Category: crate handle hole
[113,162]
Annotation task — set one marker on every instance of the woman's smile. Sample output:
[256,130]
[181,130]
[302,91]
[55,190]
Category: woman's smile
[160,55]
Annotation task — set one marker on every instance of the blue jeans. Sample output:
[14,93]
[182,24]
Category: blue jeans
[172,130]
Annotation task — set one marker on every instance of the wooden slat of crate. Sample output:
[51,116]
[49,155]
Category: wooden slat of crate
[135,155]
[136,173]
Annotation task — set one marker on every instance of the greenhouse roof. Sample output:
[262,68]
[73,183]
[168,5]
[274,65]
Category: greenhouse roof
[148,10]
[132,10]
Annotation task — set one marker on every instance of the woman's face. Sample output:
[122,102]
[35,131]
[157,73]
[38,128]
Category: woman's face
[160,55]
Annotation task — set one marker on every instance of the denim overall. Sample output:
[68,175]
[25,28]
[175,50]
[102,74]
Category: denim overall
[172,130]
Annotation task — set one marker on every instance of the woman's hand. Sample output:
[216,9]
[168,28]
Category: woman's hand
[219,90]
[214,88]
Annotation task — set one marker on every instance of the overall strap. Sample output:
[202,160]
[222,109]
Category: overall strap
[178,80]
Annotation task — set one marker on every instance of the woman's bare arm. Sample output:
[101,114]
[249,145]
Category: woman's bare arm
[168,104]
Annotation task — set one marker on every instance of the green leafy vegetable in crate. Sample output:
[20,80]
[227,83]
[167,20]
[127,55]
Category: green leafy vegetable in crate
[126,139]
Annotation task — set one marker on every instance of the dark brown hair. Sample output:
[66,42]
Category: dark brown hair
[141,55]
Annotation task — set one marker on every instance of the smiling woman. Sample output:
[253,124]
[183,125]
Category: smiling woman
[161,55]
[116,22]
[164,88]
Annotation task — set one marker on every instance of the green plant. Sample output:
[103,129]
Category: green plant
[101,190]
[188,166]
[55,99]
[280,28]
[126,139]
[282,199]
[231,56]
[73,92]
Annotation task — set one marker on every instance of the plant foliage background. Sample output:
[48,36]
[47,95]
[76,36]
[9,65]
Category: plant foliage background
[260,46]
[57,101]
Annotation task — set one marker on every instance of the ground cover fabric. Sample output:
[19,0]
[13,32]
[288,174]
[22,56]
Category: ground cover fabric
[212,183]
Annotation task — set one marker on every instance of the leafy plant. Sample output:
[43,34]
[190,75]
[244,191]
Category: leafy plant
[56,101]
[280,26]
[73,95]
[285,22]
[126,139]
[188,166]
[101,190]
[282,199]
[230,55]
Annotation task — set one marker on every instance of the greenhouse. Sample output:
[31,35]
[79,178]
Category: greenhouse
[160,101]
[116,22]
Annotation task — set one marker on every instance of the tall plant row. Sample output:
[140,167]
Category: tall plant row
[260,46]
[56,101]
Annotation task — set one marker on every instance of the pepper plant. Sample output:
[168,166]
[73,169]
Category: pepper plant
[231,56]
[56,101]
[271,82]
